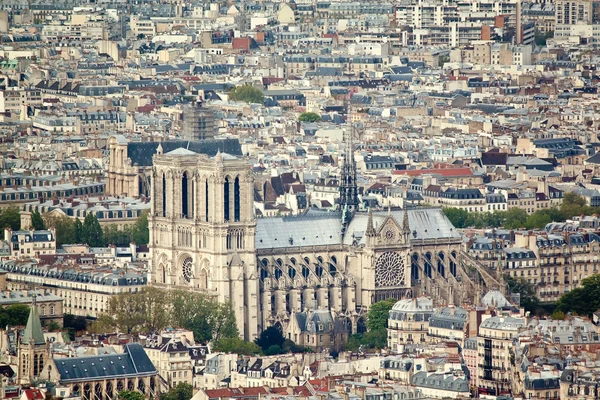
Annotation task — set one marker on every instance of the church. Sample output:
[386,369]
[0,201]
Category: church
[204,236]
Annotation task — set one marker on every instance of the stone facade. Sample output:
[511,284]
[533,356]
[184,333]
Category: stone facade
[204,236]
[202,229]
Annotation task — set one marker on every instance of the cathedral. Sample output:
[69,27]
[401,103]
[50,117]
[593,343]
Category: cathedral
[204,236]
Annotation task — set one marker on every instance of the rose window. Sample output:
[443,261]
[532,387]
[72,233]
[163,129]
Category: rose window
[389,270]
[187,269]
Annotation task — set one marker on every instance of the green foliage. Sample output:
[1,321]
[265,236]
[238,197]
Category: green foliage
[183,391]
[237,346]
[13,315]
[378,314]
[516,218]
[77,324]
[376,336]
[558,315]
[309,117]
[140,233]
[583,300]
[273,350]
[92,231]
[78,231]
[10,218]
[529,299]
[69,231]
[130,395]
[154,309]
[272,336]
[53,326]
[37,222]
[247,93]
[541,38]
[115,236]
[63,226]
[368,340]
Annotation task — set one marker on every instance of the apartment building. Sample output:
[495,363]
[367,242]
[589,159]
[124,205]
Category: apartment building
[27,244]
[494,372]
[408,322]
[574,12]
[85,293]
[172,359]
[554,263]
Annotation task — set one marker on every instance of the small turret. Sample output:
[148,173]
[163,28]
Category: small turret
[370,229]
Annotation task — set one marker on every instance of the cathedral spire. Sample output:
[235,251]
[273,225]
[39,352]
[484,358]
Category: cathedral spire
[348,187]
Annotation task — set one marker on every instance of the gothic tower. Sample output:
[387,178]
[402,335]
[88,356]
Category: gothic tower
[348,186]
[32,350]
[202,229]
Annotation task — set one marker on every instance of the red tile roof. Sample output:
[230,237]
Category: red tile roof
[34,394]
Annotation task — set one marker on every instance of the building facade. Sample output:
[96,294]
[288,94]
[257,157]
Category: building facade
[204,236]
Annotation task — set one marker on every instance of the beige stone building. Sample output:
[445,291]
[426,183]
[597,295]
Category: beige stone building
[171,358]
[494,373]
[204,236]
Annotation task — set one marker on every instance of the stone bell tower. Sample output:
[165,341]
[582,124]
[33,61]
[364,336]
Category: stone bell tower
[202,229]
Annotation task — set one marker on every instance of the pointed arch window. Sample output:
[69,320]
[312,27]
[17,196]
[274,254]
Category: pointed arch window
[184,195]
[164,195]
[226,199]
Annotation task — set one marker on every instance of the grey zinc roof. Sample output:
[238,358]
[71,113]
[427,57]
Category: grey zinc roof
[134,362]
[324,228]
[425,223]
[312,229]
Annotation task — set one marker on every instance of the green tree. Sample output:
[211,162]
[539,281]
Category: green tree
[515,218]
[272,336]
[112,235]
[247,93]
[309,117]
[273,350]
[183,391]
[64,227]
[140,233]
[368,340]
[378,314]
[78,231]
[130,395]
[17,314]
[558,315]
[583,300]
[457,216]
[92,231]
[538,220]
[37,222]
[156,308]
[76,323]
[10,218]
[53,326]
[529,299]
[236,345]
[127,312]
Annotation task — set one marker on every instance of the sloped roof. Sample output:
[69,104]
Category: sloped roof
[134,362]
[33,330]
[141,153]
